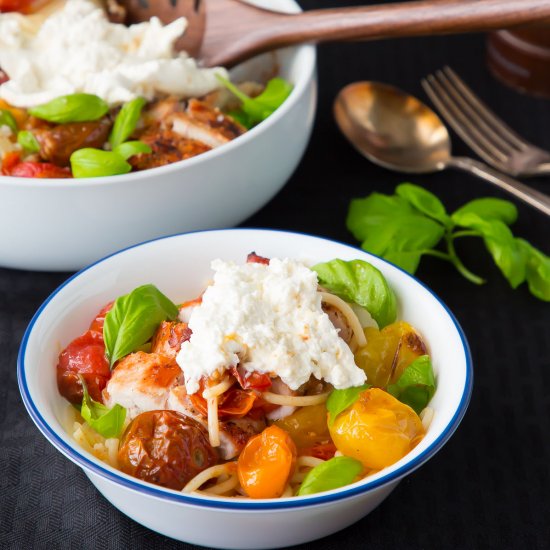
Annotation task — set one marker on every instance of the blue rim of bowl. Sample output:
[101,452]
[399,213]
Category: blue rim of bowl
[153,491]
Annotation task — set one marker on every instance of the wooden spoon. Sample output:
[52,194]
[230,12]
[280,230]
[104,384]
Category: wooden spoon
[226,32]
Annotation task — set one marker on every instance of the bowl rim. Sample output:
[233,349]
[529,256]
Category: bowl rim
[258,505]
[305,78]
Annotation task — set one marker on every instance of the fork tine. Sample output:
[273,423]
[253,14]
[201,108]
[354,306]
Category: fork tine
[458,121]
[492,140]
[485,112]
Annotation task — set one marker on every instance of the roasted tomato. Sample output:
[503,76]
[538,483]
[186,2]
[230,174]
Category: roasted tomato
[32,169]
[251,380]
[377,429]
[165,448]
[234,403]
[97,323]
[389,352]
[266,463]
[307,426]
[84,356]
[169,337]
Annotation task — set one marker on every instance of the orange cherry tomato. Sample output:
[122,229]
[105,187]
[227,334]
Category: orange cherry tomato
[266,463]
[377,429]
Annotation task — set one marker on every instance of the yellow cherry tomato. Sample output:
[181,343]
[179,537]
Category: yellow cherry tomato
[377,429]
[307,426]
[389,352]
[266,463]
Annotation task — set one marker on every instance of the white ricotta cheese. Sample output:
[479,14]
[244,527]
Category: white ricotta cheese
[268,318]
[77,49]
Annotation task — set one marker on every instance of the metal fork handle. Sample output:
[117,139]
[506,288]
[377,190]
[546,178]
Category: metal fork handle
[527,194]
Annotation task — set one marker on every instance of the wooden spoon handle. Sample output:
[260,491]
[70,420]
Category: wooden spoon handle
[259,30]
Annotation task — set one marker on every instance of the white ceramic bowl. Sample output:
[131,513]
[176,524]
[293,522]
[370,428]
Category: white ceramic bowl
[179,266]
[62,225]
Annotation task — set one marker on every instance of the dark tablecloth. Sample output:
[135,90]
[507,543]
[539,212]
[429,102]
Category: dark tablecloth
[488,487]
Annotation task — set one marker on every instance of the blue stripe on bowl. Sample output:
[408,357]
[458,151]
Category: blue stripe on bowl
[151,490]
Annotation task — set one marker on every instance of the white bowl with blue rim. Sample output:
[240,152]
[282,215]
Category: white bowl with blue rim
[180,267]
[63,225]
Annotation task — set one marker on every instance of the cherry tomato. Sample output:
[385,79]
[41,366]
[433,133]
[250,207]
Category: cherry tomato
[251,380]
[165,448]
[234,403]
[32,169]
[377,429]
[266,463]
[307,426]
[324,451]
[84,356]
[388,352]
[169,337]
[23,6]
[97,323]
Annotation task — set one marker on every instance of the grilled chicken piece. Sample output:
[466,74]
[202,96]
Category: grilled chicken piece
[159,111]
[234,433]
[167,147]
[205,124]
[59,142]
[169,337]
[142,382]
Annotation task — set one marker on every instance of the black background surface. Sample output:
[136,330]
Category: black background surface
[489,486]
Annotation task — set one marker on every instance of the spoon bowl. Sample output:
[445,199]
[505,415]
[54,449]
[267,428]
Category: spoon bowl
[397,131]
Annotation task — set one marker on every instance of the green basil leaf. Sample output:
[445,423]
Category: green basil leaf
[389,226]
[424,201]
[264,105]
[489,209]
[71,108]
[27,140]
[507,254]
[416,385]
[537,271]
[359,282]
[332,474]
[126,121]
[93,163]
[134,318]
[339,400]
[105,421]
[7,119]
[130,148]
[242,118]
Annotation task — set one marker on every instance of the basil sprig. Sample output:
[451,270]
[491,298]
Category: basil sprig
[339,400]
[133,320]
[126,121]
[416,385]
[7,119]
[359,282]
[94,163]
[413,223]
[27,140]
[105,421]
[254,110]
[332,474]
[78,107]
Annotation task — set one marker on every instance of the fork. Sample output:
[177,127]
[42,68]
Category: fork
[482,129]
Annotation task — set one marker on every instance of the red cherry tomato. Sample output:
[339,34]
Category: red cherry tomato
[251,380]
[84,356]
[31,169]
[97,323]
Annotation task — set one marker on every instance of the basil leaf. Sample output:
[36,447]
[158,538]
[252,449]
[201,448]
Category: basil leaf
[360,282]
[537,271]
[130,148]
[7,119]
[332,474]
[27,140]
[424,201]
[105,421]
[126,121]
[339,400]
[507,254]
[416,385]
[389,226]
[134,318]
[93,163]
[264,105]
[71,108]
[489,208]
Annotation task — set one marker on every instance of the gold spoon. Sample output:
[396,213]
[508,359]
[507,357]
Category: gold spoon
[226,32]
[397,131]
